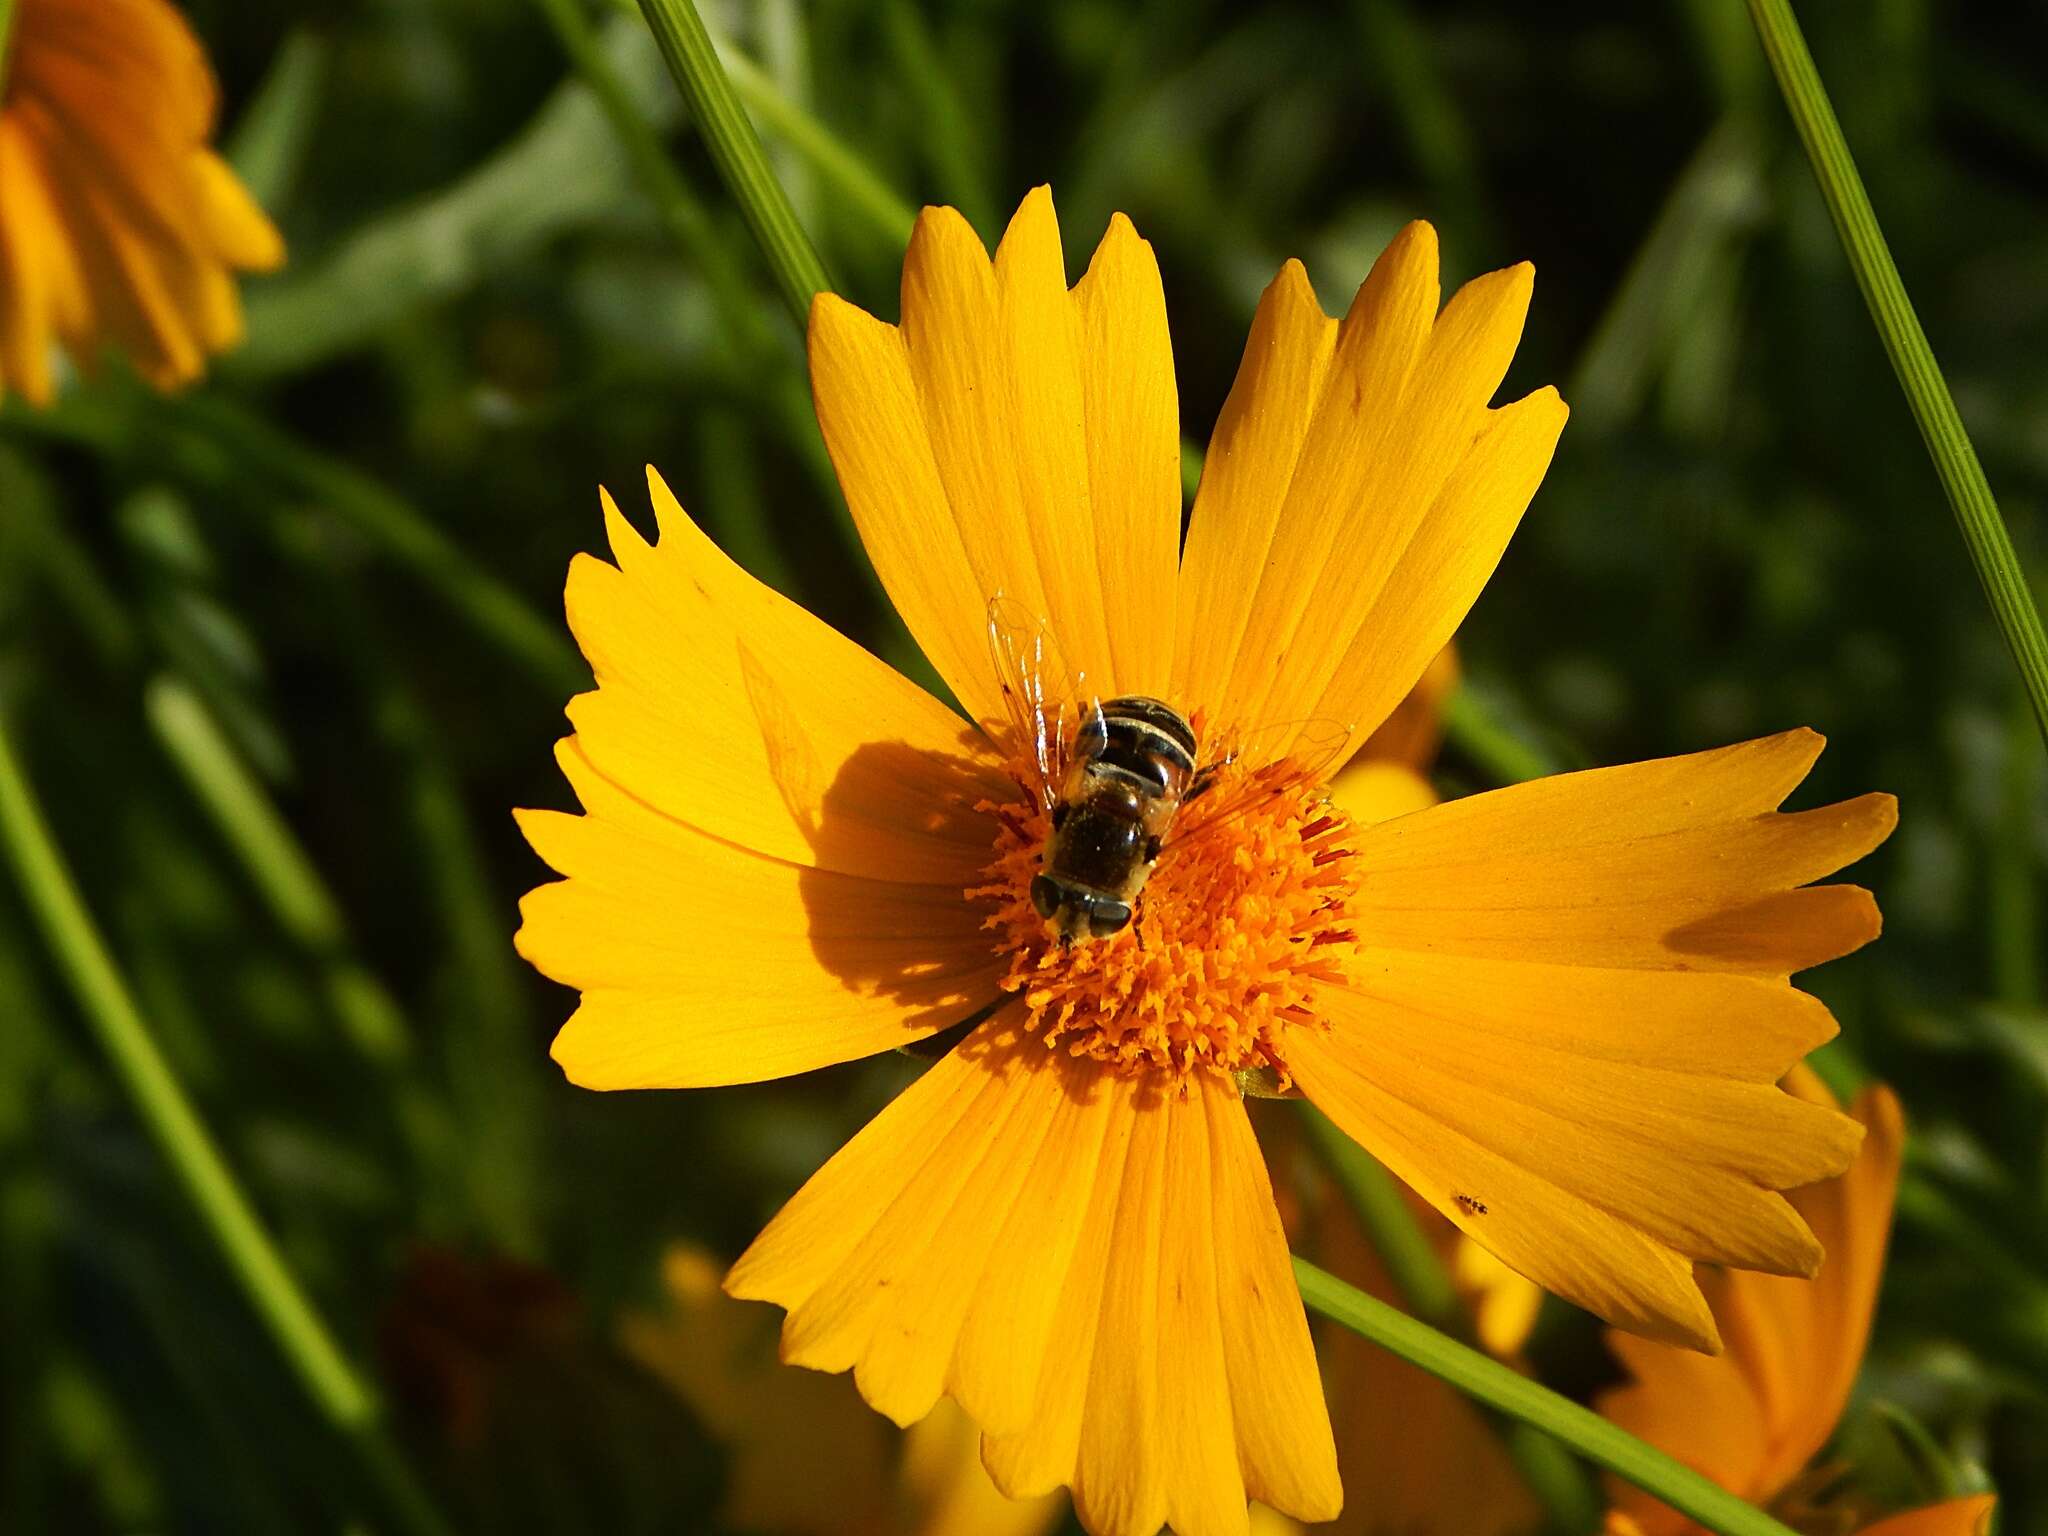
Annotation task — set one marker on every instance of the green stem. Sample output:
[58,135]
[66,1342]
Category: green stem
[1419,1275]
[865,192]
[1429,1295]
[277,866]
[1475,727]
[81,955]
[1934,409]
[656,172]
[1492,1383]
[736,150]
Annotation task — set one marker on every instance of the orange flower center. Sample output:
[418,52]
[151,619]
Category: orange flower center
[1239,923]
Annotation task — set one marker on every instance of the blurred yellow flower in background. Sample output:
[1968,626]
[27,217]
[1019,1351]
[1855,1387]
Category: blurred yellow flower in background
[1557,1011]
[119,225]
[1755,1417]
[805,1457]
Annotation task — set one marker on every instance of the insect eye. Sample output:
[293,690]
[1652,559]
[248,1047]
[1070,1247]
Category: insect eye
[1045,895]
[1107,917]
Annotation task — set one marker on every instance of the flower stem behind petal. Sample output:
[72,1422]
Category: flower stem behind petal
[1476,728]
[737,152]
[1489,1382]
[1927,392]
[1375,1198]
[1426,1287]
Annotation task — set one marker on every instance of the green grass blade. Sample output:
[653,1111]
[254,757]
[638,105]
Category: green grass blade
[952,144]
[865,193]
[1374,1195]
[1490,1382]
[269,145]
[1429,1295]
[278,866]
[1934,409]
[1478,728]
[174,1125]
[736,150]
[640,137]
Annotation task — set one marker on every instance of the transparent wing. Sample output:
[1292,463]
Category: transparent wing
[1270,761]
[1044,702]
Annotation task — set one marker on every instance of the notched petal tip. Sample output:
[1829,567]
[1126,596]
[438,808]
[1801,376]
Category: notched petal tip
[1545,401]
[620,534]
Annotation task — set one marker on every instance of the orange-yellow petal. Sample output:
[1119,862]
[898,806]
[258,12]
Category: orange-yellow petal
[1677,864]
[1535,1038]
[1970,1516]
[1400,491]
[1094,1270]
[927,1255]
[239,230]
[1011,438]
[1252,457]
[1755,1417]
[701,963]
[28,239]
[1803,1344]
[726,707]
[1132,411]
[122,225]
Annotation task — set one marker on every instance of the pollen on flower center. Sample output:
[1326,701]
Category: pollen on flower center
[1244,916]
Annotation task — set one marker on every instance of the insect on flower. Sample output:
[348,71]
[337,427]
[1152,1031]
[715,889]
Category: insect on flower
[1114,775]
[1568,1001]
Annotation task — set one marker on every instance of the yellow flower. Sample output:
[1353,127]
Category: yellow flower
[806,1459]
[1559,1011]
[118,224]
[1754,1418]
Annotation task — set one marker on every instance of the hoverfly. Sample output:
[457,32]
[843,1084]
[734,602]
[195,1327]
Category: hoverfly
[1117,777]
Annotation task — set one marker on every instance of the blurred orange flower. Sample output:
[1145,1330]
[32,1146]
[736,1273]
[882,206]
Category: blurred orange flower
[1755,1417]
[1558,1011]
[118,223]
[806,1458]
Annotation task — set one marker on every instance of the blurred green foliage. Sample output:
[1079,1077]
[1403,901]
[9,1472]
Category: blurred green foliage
[284,652]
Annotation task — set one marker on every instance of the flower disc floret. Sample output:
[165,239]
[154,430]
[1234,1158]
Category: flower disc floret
[1243,918]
